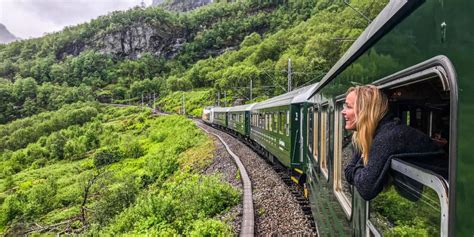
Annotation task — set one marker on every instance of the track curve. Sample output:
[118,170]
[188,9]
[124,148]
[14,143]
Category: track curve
[248,219]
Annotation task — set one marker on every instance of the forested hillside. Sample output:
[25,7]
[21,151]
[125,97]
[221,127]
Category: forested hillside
[69,162]
[104,170]
[124,55]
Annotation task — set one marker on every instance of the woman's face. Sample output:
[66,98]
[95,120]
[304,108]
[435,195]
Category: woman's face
[349,111]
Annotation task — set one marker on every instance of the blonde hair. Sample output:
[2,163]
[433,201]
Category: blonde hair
[370,106]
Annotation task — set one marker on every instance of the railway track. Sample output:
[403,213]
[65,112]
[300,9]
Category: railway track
[248,220]
[279,205]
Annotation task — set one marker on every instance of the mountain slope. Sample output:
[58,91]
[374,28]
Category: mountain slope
[5,35]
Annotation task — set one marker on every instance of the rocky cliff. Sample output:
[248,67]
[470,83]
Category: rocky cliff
[5,35]
[180,5]
[132,41]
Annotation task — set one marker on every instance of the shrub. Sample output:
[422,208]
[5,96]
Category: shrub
[115,200]
[11,209]
[131,148]
[209,228]
[106,156]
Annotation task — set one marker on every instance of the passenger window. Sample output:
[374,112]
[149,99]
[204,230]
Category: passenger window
[275,122]
[309,125]
[343,151]
[316,135]
[415,205]
[324,141]
[287,124]
[425,105]
[270,121]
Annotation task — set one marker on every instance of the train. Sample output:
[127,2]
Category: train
[419,53]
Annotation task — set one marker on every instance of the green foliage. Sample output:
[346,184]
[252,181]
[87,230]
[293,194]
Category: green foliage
[210,228]
[115,200]
[131,148]
[20,133]
[106,156]
[41,198]
[194,101]
[178,203]
[407,218]
[11,209]
[122,162]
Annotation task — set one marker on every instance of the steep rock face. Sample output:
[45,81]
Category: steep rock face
[180,5]
[132,41]
[5,35]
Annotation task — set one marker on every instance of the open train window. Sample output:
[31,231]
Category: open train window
[324,140]
[418,201]
[282,121]
[315,135]
[343,152]
[310,126]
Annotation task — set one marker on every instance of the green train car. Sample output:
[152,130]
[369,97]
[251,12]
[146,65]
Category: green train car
[220,117]
[239,119]
[420,54]
[277,127]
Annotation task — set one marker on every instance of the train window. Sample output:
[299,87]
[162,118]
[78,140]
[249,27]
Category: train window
[287,124]
[324,141]
[316,135]
[275,122]
[310,127]
[269,122]
[267,119]
[281,125]
[417,201]
[416,205]
[343,151]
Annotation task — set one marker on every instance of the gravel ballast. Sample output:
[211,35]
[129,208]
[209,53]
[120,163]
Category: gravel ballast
[277,211]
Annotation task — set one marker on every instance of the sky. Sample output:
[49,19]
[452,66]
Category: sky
[32,18]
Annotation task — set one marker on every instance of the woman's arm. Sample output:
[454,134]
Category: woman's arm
[356,162]
[370,179]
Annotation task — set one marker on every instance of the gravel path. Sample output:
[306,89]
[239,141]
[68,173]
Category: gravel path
[277,211]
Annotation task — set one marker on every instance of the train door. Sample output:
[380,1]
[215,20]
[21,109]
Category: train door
[310,133]
[302,121]
[417,201]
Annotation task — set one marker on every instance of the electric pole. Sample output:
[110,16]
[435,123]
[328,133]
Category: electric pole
[250,89]
[183,104]
[225,98]
[289,74]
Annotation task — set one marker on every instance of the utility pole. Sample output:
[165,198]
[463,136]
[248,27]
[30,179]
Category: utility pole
[142,99]
[154,99]
[225,98]
[289,74]
[183,104]
[251,89]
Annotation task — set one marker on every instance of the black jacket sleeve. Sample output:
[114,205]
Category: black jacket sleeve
[355,163]
[370,179]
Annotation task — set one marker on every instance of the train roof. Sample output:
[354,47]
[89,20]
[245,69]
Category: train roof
[299,95]
[220,109]
[385,21]
[241,108]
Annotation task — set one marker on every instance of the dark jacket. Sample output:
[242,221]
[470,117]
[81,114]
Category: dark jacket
[391,138]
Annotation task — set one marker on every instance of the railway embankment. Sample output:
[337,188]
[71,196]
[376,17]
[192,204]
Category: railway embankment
[276,209]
